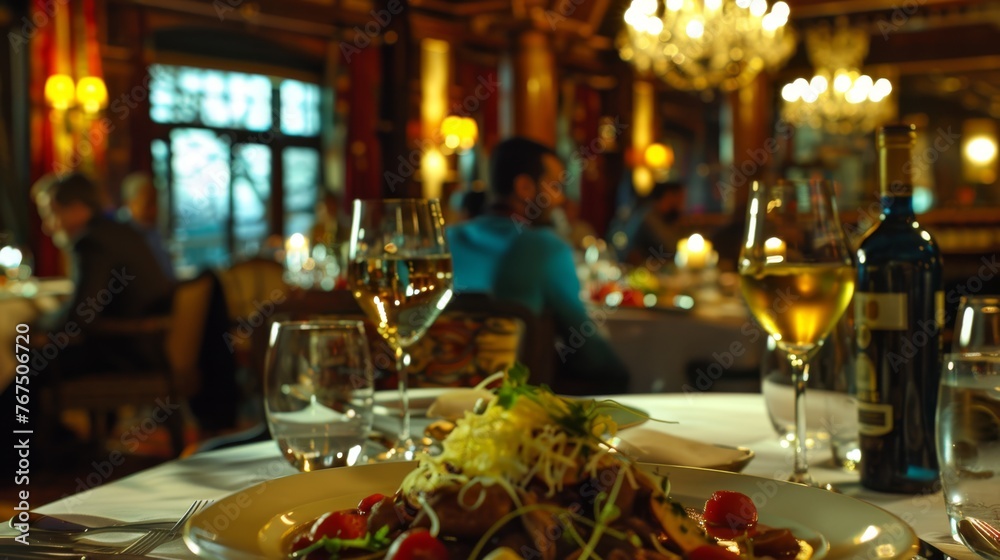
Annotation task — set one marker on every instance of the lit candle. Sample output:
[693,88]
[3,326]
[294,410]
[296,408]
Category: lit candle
[296,252]
[694,252]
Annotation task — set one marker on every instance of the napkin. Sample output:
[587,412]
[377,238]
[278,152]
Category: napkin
[452,404]
[651,446]
[645,445]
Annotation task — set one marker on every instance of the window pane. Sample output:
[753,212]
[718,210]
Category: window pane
[200,170]
[299,108]
[180,94]
[251,192]
[301,179]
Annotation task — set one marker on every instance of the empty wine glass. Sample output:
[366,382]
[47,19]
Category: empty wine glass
[797,276]
[319,392]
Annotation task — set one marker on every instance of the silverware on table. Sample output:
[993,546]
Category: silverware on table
[154,539]
[65,543]
[47,528]
[980,536]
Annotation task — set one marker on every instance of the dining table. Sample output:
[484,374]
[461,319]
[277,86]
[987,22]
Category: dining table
[165,491]
[24,302]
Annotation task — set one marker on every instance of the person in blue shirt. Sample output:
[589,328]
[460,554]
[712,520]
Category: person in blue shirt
[513,253]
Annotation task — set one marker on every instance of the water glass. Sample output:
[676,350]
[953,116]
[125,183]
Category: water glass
[968,440]
[319,392]
[977,327]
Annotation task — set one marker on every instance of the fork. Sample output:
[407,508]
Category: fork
[152,540]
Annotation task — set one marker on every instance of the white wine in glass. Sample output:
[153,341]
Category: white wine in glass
[797,276]
[400,274]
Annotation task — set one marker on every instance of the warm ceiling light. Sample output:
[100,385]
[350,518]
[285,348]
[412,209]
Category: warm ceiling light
[706,44]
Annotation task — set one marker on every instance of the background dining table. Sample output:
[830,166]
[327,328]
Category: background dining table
[25,302]
[166,491]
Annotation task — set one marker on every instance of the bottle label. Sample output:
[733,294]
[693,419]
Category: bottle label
[879,312]
[874,419]
[866,383]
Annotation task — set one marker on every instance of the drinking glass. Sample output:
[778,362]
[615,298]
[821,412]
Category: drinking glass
[977,327]
[319,392]
[400,274]
[968,444]
[797,276]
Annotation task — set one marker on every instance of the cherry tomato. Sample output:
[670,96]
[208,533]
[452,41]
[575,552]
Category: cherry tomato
[712,552]
[417,544]
[365,507]
[730,509]
[302,540]
[339,524]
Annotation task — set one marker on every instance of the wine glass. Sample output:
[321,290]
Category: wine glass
[400,274]
[319,392]
[797,276]
[977,326]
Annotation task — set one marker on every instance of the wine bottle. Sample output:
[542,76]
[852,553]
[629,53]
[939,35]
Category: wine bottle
[899,314]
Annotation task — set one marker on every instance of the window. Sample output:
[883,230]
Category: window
[239,157]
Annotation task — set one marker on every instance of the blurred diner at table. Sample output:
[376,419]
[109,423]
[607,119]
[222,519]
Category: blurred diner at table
[513,253]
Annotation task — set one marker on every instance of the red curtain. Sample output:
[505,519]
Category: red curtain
[65,42]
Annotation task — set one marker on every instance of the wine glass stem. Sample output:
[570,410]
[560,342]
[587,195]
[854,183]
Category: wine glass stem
[404,440]
[800,376]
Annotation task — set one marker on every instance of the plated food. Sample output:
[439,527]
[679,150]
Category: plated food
[533,475]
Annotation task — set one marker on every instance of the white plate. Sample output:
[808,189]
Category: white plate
[387,403]
[255,522]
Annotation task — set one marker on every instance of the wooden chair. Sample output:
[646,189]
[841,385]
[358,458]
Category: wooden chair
[175,340]
[513,332]
[475,336]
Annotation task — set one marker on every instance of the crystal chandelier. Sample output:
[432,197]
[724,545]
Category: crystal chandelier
[698,45]
[839,98]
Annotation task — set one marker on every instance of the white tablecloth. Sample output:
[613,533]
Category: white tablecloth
[24,304]
[658,345]
[167,490]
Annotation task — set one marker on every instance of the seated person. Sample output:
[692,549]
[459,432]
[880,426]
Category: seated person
[114,271]
[140,199]
[513,253]
[652,226]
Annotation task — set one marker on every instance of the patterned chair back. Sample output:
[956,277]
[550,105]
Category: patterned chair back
[474,337]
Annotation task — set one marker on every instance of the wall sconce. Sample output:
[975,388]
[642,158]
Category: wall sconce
[90,93]
[659,158]
[59,91]
[979,151]
[460,133]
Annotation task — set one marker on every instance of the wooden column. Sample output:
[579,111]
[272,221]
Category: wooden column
[398,71]
[753,140]
[534,87]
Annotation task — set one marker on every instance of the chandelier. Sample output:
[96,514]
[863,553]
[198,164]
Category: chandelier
[699,45]
[838,98]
